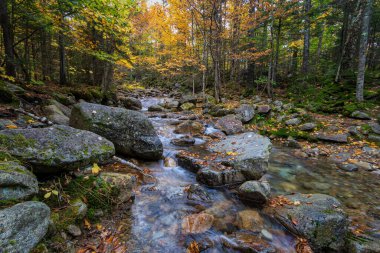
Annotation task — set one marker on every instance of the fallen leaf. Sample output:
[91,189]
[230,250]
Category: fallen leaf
[11,126]
[55,192]
[95,169]
[87,224]
[47,195]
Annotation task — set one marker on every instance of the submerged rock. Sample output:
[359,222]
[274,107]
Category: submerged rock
[316,217]
[131,132]
[197,223]
[16,182]
[190,127]
[22,226]
[57,148]
[250,220]
[255,192]
[183,141]
[230,125]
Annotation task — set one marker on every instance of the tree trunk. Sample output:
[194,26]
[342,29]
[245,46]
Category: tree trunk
[306,41]
[10,66]
[275,64]
[362,51]
[62,56]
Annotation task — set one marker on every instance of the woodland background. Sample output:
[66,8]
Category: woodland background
[317,52]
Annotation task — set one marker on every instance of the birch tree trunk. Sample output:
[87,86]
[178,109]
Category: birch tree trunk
[362,51]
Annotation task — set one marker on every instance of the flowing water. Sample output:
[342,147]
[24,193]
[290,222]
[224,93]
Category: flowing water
[159,209]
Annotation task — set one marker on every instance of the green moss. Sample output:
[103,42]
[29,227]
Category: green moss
[285,133]
[8,203]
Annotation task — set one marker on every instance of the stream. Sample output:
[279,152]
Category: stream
[159,209]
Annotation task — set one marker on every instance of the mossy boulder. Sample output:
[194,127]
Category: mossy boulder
[16,182]
[317,217]
[131,132]
[57,148]
[9,92]
[22,226]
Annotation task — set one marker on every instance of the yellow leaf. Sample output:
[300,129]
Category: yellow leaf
[55,192]
[95,169]
[47,195]
[11,126]
[87,224]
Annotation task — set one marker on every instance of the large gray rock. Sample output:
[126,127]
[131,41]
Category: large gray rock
[316,217]
[131,103]
[308,126]
[22,226]
[54,114]
[63,108]
[131,132]
[245,113]
[339,138]
[169,103]
[360,115]
[57,148]
[293,122]
[251,153]
[263,109]
[230,125]
[16,182]
[236,159]
[255,192]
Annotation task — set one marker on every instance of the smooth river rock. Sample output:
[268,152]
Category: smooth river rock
[57,148]
[131,132]
[22,226]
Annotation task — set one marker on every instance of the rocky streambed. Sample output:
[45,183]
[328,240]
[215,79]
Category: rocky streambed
[209,192]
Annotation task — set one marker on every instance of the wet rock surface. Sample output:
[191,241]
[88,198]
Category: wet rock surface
[230,125]
[131,132]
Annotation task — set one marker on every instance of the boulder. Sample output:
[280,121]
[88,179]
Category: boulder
[197,223]
[131,132]
[22,226]
[307,127]
[354,132]
[375,127]
[16,182]
[245,113]
[293,122]
[183,141]
[9,92]
[169,103]
[64,109]
[250,153]
[255,192]
[57,148]
[374,138]
[190,127]
[170,162]
[250,220]
[187,106]
[131,103]
[317,217]
[263,109]
[230,125]
[55,115]
[156,108]
[188,99]
[339,138]
[219,111]
[240,158]
[124,183]
[360,115]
